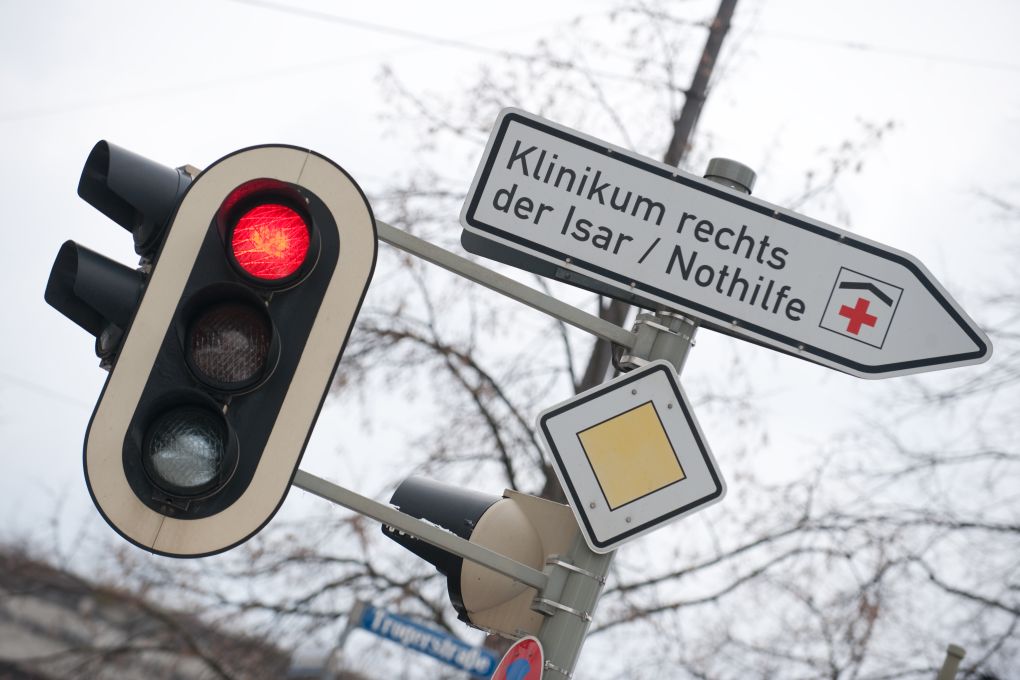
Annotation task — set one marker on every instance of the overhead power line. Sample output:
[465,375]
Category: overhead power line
[441,41]
[511,54]
[892,51]
[43,390]
[379,28]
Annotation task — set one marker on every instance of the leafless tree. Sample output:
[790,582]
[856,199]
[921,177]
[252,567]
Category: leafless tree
[890,541]
[60,625]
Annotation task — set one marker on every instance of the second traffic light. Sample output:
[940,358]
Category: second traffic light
[250,285]
[522,527]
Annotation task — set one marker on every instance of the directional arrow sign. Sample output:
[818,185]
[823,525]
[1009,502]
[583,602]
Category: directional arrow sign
[614,221]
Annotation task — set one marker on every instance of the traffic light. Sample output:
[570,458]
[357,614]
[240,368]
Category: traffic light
[221,347]
[525,528]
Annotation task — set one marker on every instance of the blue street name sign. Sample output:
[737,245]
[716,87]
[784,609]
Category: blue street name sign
[431,641]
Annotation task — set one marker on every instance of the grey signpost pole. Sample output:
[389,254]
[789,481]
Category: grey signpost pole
[576,581]
[582,574]
[954,655]
[570,586]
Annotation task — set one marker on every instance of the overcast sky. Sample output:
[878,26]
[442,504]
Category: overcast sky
[190,81]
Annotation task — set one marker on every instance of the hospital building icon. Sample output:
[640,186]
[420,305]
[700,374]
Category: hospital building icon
[861,307]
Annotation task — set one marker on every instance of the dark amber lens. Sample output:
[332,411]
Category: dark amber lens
[229,343]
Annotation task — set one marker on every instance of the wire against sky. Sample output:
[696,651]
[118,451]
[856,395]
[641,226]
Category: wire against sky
[474,47]
[454,43]
[892,51]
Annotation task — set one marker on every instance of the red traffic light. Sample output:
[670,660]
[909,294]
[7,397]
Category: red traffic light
[270,241]
[223,347]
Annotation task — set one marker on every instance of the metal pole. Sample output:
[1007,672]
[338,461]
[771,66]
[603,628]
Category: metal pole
[697,93]
[954,655]
[504,285]
[683,130]
[569,589]
[663,335]
[427,532]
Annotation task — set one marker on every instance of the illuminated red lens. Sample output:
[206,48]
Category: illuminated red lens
[270,241]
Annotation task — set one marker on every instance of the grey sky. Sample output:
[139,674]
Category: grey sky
[188,82]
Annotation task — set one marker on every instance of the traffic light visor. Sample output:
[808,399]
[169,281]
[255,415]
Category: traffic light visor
[92,290]
[136,193]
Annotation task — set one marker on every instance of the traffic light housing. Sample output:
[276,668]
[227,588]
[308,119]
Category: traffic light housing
[525,528]
[222,347]
[97,293]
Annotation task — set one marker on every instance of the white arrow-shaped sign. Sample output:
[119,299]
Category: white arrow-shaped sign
[658,236]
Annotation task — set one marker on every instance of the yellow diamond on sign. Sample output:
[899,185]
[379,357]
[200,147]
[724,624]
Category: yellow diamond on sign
[631,455]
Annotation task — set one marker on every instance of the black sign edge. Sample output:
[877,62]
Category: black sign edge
[695,431]
[795,348]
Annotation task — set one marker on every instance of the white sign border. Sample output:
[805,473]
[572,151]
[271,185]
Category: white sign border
[604,529]
[635,291]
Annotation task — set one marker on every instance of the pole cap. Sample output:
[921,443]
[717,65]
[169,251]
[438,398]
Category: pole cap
[731,173]
[956,650]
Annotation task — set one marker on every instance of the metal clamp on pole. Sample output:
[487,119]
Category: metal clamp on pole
[556,561]
[558,571]
[541,601]
[547,600]
[660,335]
[550,666]
[668,335]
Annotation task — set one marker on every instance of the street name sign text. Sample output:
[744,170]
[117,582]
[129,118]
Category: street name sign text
[438,644]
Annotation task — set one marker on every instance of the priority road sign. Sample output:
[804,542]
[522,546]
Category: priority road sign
[631,456]
[561,203]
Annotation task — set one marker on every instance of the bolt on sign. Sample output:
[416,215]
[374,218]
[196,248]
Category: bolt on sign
[616,222]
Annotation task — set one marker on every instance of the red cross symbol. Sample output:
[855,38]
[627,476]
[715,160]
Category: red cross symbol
[858,316]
